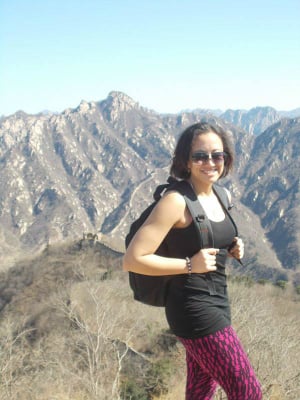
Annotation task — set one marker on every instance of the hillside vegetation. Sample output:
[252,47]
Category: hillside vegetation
[70,330]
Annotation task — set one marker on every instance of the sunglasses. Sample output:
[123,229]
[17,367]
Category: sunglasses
[202,157]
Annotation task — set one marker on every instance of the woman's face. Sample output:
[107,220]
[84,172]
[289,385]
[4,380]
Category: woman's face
[206,168]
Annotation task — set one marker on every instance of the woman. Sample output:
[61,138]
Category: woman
[198,316]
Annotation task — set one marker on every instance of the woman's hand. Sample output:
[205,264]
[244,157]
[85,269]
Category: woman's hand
[237,248]
[204,261]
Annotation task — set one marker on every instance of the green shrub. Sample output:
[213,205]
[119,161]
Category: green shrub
[131,390]
[282,284]
[262,281]
[158,375]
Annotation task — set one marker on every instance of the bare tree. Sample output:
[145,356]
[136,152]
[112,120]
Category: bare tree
[13,353]
[102,335]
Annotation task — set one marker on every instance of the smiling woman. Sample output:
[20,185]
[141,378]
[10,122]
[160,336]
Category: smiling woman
[197,306]
[210,164]
[188,150]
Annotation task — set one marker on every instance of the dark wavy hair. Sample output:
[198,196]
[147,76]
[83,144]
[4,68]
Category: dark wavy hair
[179,168]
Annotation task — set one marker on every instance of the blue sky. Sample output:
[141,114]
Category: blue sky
[166,55]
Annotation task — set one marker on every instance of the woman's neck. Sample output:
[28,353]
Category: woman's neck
[202,190]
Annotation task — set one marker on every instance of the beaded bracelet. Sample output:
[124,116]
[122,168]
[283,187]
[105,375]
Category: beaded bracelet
[188,265]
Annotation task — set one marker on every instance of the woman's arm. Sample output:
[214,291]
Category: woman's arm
[140,256]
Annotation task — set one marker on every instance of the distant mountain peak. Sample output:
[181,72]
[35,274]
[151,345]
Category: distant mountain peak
[117,103]
[85,106]
[121,100]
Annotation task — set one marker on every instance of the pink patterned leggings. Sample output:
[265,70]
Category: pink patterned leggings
[219,359]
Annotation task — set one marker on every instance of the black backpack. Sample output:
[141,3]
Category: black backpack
[152,290]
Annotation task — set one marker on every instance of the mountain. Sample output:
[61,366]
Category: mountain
[272,187]
[92,169]
[254,121]
[290,114]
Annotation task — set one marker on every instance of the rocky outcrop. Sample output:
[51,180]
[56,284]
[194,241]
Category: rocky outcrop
[255,121]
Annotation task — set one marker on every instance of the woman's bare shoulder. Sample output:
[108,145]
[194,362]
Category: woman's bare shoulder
[174,198]
[171,206]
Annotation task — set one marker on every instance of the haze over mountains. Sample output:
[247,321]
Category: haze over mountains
[93,169]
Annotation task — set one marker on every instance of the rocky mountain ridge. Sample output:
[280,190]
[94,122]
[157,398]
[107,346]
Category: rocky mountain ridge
[93,169]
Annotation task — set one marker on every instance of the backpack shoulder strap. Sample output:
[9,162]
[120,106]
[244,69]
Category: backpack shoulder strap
[200,219]
[222,195]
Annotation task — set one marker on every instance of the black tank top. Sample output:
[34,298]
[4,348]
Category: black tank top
[198,304]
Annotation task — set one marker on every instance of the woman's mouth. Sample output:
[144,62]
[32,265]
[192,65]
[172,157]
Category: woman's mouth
[209,171]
